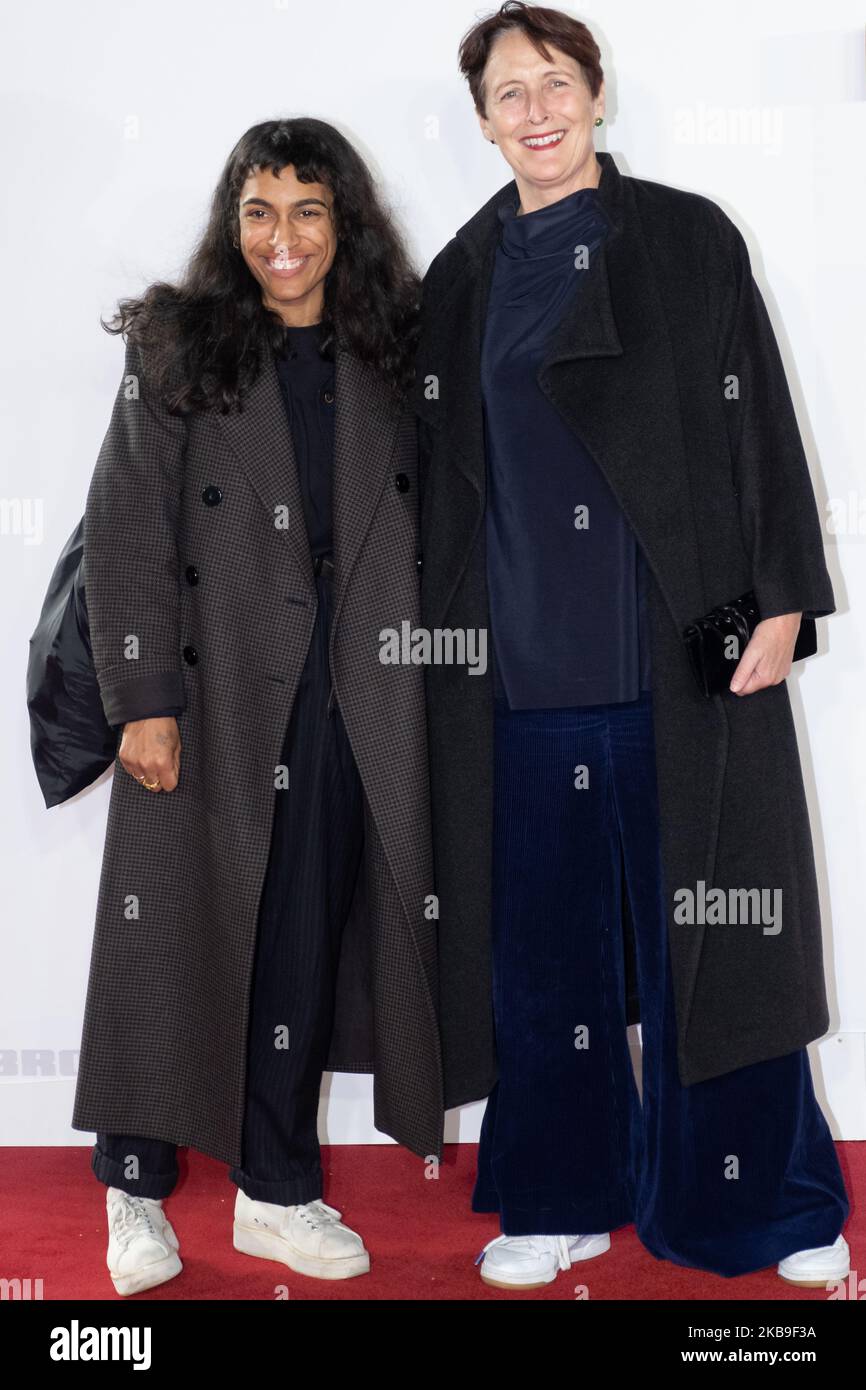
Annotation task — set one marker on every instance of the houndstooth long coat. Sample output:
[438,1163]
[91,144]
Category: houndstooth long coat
[185,551]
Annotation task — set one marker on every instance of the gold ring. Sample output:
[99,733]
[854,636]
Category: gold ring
[150,785]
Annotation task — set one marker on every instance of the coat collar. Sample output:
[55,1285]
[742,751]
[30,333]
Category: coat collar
[589,331]
[477,234]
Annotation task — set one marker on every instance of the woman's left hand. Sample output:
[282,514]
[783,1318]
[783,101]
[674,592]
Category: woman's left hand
[767,658]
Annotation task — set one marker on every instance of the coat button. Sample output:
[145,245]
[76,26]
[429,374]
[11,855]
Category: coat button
[191,574]
[211,495]
[190,655]
[328,397]
[420,562]
[402,482]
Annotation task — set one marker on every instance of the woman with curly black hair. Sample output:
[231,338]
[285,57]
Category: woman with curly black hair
[265,906]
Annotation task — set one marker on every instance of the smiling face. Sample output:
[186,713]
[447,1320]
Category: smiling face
[540,113]
[287,238]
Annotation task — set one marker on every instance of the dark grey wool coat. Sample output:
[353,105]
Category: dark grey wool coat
[221,597]
[719,496]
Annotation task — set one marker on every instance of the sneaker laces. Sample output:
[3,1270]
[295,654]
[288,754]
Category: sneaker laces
[559,1245]
[320,1215]
[131,1216]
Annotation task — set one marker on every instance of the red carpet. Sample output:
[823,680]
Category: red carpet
[421,1235]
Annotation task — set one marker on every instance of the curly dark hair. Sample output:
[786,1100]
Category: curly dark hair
[210,330]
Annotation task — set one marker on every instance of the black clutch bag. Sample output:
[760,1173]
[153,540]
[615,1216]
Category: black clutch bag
[711,652]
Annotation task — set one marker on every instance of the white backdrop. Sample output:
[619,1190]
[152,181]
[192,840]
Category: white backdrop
[117,118]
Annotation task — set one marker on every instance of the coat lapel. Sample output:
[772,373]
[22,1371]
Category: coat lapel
[365,427]
[365,430]
[611,373]
[260,436]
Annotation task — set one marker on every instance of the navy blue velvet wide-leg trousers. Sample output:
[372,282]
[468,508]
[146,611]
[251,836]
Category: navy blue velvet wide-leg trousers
[727,1175]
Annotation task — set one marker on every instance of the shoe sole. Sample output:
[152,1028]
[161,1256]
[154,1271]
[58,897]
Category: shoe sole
[149,1277]
[264,1245]
[501,1283]
[816,1283]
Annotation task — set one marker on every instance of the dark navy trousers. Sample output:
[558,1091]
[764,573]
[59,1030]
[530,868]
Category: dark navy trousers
[727,1175]
[315,857]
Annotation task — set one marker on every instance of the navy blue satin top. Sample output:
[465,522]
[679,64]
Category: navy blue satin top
[566,577]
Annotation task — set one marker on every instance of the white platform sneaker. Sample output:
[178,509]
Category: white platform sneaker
[530,1262]
[311,1239]
[813,1269]
[142,1245]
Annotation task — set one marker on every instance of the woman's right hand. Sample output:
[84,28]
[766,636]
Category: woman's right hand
[150,749]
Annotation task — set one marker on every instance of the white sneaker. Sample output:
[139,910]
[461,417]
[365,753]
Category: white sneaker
[142,1245]
[530,1262]
[310,1238]
[813,1269]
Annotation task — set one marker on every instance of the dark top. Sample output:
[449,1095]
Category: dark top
[307,387]
[567,586]
[307,382]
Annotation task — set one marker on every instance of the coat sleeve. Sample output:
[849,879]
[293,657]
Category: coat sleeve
[778,513]
[130,552]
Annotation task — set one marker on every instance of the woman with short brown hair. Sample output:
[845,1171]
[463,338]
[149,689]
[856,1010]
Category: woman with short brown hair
[610,458]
